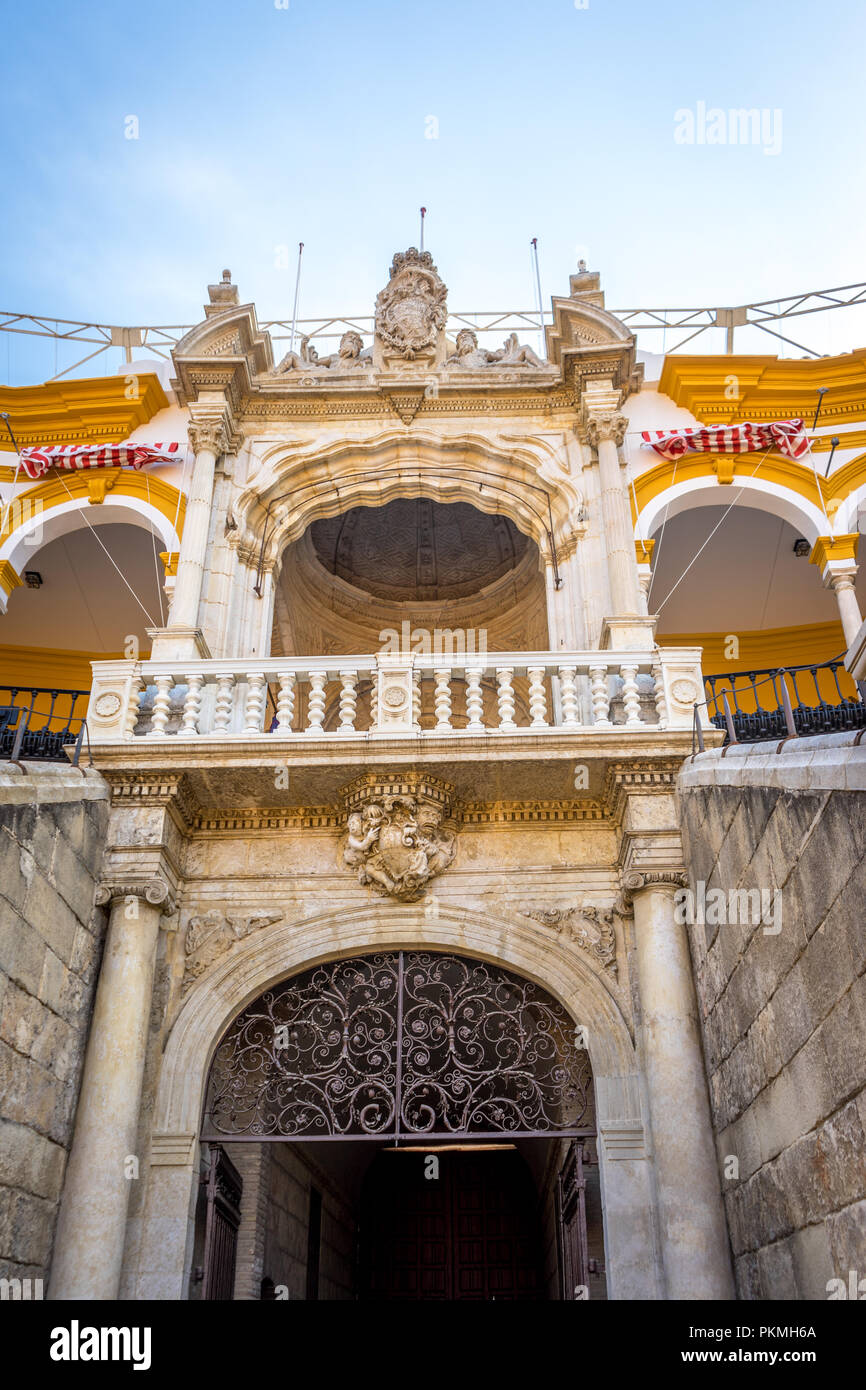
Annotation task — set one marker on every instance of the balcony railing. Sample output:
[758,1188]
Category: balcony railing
[756,701]
[36,724]
[507,693]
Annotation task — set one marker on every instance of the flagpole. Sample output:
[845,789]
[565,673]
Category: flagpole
[297,290]
[534,244]
[423,215]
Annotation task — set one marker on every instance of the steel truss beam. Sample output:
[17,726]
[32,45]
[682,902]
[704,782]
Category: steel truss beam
[162,338]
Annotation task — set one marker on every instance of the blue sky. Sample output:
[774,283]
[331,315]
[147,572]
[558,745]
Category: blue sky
[260,127]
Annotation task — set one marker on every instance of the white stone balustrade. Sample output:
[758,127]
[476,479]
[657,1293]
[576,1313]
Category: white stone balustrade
[417,696]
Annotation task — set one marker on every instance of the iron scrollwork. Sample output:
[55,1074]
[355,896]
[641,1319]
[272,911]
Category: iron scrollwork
[400,1044]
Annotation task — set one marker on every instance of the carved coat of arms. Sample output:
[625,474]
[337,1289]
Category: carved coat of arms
[411,310]
[397,846]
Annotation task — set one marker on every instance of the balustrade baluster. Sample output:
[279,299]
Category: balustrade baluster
[630,696]
[136,689]
[537,698]
[505,697]
[600,695]
[659,695]
[161,706]
[225,698]
[254,710]
[442,698]
[191,707]
[285,702]
[374,698]
[474,700]
[568,692]
[416,698]
[348,701]
[316,702]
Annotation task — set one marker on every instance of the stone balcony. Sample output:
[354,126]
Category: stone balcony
[516,722]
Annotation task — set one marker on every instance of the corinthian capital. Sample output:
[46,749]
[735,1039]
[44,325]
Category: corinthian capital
[208,434]
[599,426]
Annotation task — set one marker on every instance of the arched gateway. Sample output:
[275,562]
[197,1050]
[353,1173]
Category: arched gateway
[462,1100]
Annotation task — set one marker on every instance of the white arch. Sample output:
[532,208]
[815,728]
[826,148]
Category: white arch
[845,520]
[38,528]
[779,501]
[508,940]
[330,478]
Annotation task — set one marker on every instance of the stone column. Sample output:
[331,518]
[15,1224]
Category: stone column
[849,609]
[91,1228]
[694,1237]
[209,439]
[628,625]
[836,558]
[606,432]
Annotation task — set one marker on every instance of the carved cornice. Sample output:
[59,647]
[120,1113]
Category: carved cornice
[637,778]
[410,783]
[155,789]
[261,820]
[218,820]
[530,812]
[301,403]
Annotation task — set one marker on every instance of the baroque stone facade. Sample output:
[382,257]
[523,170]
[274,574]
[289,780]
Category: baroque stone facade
[408,699]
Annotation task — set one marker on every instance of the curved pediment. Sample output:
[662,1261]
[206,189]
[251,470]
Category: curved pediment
[226,350]
[585,340]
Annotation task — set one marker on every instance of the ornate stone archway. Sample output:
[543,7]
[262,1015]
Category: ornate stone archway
[158,1259]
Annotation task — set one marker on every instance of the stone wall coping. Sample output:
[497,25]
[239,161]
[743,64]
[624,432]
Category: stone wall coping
[822,762]
[50,782]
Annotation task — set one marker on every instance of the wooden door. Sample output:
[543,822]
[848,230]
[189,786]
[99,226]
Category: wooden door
[470,1234]
[224,1186]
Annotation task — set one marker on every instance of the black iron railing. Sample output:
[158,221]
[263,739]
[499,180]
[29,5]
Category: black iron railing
[750,705]
[37,724]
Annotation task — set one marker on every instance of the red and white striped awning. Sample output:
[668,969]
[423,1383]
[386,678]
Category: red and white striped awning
[37,461]
[785,436]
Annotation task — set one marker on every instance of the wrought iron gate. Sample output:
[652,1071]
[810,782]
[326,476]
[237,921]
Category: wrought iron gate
[400,1045]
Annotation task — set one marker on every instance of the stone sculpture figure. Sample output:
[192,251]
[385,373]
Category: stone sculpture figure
[350,357]
[210,935]
[396,848]
[470,357]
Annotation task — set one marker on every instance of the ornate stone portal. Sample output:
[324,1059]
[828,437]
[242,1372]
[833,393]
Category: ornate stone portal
[399,834]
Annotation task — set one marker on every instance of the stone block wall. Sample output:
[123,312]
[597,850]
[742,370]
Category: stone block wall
[783,1003]
[52,828]
[288,1213]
